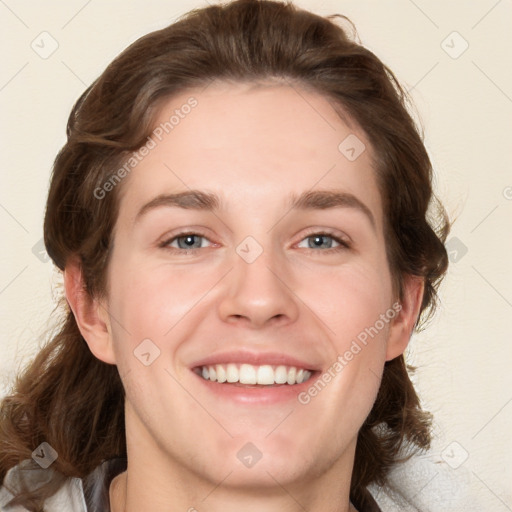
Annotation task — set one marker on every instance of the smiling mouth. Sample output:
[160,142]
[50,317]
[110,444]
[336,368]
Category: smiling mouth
[256,375]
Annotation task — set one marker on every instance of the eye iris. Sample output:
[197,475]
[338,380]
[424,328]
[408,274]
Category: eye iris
[319,239]
[189,241]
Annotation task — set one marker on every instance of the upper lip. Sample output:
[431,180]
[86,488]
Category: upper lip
[254,358]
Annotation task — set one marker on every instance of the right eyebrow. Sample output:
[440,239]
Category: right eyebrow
[191,200]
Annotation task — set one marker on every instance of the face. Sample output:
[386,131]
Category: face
[249,249]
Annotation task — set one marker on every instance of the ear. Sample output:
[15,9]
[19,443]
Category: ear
[90,314]
[403,324]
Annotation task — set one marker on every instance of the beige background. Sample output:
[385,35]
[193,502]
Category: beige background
[465,104]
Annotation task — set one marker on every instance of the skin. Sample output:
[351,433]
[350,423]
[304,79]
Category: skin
[252,146]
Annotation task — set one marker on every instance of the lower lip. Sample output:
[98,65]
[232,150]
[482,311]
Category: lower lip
[265,395]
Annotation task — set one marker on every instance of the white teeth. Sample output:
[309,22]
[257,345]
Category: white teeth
[221,373]
[247,374]
[292,372]
[265,375]
[232,373]
[281,375]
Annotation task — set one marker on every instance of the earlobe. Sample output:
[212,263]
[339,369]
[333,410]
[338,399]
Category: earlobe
[403,324]
[90,315]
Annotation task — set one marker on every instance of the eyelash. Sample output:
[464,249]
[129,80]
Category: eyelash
[343,244]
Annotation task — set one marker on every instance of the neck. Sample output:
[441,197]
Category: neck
[158,482]
[123,498]
[139,488]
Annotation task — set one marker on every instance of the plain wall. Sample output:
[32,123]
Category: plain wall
[465,104]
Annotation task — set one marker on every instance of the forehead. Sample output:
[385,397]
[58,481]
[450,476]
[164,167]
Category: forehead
[252,144]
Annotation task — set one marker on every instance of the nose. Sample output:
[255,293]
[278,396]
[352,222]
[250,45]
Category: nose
[258,294]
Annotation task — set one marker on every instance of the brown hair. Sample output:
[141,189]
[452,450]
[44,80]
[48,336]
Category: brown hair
[72,400]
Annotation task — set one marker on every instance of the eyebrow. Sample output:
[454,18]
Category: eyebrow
[326,199]
[207,201]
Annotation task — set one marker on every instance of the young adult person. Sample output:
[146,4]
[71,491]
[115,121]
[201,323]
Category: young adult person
[240,217]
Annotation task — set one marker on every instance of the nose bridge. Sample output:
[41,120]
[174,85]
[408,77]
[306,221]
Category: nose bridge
[257,288]
[255,269]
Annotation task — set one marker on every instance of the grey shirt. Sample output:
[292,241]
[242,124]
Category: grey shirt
[89,494]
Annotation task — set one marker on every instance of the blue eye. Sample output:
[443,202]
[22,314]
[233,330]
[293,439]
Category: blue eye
[320,242]
[189,241]
[324,241]
[185,242]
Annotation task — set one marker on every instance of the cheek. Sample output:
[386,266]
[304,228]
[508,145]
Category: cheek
[154,302]
[356,311]
[348,299]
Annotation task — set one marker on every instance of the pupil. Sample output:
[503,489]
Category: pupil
[318,241]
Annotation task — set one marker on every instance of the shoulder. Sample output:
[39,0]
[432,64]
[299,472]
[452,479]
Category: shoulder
[26,477]
[72,495]
[426,483]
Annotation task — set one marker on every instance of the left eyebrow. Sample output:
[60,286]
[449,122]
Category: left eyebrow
[325,199]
